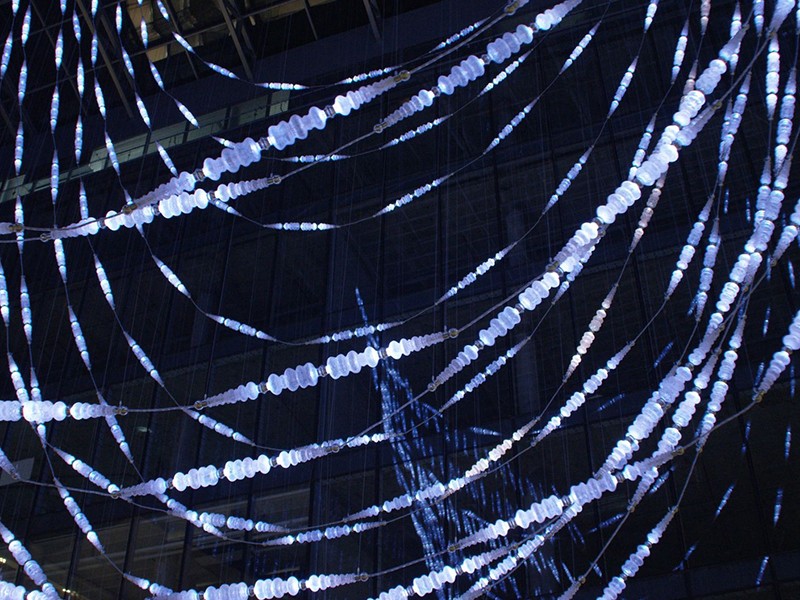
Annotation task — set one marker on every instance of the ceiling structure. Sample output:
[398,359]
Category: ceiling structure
[730,537]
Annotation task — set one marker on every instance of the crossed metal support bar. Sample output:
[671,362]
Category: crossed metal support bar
[224,6]
[373,18]
[307,8]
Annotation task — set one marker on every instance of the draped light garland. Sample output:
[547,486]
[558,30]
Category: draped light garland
[461,555]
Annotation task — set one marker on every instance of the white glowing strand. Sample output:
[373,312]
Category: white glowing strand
[26,26]
[59,50]
[236,155]
[772,76]
[758,15]
[585,41]
[623,86]
[54,177]
[341,365]
[651,13]
[87,472]
[79,517]
[780,360]
[588,337]
[286,132]
[787,443]
[688,250]
[565,183]
[784,132]
[680,51]
[776,513]
[411,134]
[736,25]
[80,410]
[438,490]
[768,208]
[631,566]
[455,37]
[149,367]
[187,114]
[471,277]
[707,273]
[30,567]
[166,158]
[705,13]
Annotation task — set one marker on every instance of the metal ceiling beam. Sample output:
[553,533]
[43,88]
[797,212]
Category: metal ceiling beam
[307,8]
[106,59]
[373,21]
[235,37]
[240,23]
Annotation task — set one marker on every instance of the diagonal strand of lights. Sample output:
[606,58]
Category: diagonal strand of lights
[689,122]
